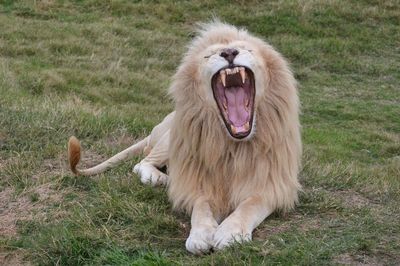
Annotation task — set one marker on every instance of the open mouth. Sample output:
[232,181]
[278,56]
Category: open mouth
[234,91]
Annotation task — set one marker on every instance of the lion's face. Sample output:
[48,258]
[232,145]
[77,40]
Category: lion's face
[232,75]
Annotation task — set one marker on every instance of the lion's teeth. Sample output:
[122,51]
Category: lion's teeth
[223,77]
[233,129]
[224,104]
[246,103]
[247,126]
[242,74]
[231,71]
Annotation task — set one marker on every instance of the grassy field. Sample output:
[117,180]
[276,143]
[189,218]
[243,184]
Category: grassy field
[100,70]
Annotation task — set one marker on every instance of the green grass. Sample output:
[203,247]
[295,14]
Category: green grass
[100,70]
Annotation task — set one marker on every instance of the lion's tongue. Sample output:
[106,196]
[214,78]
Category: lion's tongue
[237,114]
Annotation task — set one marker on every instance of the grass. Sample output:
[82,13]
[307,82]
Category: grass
[99,70]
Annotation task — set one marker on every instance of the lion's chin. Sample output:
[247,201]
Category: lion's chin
[234,90]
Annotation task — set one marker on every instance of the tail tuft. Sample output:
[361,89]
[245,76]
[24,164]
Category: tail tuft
[74,153]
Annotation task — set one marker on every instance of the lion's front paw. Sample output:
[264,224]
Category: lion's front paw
[200,240]
[150,175]
[229,232]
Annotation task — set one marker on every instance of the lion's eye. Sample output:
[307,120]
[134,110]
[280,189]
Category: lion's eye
[208,56]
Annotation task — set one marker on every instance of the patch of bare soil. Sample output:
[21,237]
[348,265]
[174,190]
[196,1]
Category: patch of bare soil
[298,221]
[14,259]
[90,158]
[358,260]
[268,230]
[3,163]
[13,209]
[8,216]
[24,208]
[352,199]
[52,167]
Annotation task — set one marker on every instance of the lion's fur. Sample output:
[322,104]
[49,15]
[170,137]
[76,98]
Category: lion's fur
[203,160]
[74,153]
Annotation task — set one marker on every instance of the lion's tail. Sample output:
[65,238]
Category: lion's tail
[74,156]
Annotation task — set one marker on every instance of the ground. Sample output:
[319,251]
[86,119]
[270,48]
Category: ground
[100,70]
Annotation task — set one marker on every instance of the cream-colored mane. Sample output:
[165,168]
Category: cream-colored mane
[202,156]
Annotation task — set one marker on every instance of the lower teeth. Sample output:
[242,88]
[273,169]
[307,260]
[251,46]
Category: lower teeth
[247,126]
[233,129]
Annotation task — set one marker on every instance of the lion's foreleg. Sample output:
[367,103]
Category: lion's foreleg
[240,224]
[203,225]
[148,168]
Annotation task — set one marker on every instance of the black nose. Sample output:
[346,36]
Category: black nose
[229,54]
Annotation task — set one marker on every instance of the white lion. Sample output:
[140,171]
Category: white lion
[232,146]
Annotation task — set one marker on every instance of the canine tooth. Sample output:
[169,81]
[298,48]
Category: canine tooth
[247,126]
[242,74]
[223,77]
[233,129]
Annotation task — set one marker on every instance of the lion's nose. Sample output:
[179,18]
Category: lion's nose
[229,54]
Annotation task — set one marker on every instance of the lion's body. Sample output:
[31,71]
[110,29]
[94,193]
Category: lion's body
[213,176]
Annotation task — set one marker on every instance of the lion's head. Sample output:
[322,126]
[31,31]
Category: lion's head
[228,71]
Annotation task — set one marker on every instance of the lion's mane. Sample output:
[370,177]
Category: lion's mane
[204,160]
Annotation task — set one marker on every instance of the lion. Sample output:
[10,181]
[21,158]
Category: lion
[232,146]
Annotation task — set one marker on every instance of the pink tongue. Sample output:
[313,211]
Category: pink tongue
[237,113]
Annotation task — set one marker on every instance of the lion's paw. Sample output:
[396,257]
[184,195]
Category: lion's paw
[150,175]
[200,240]
[229,232]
